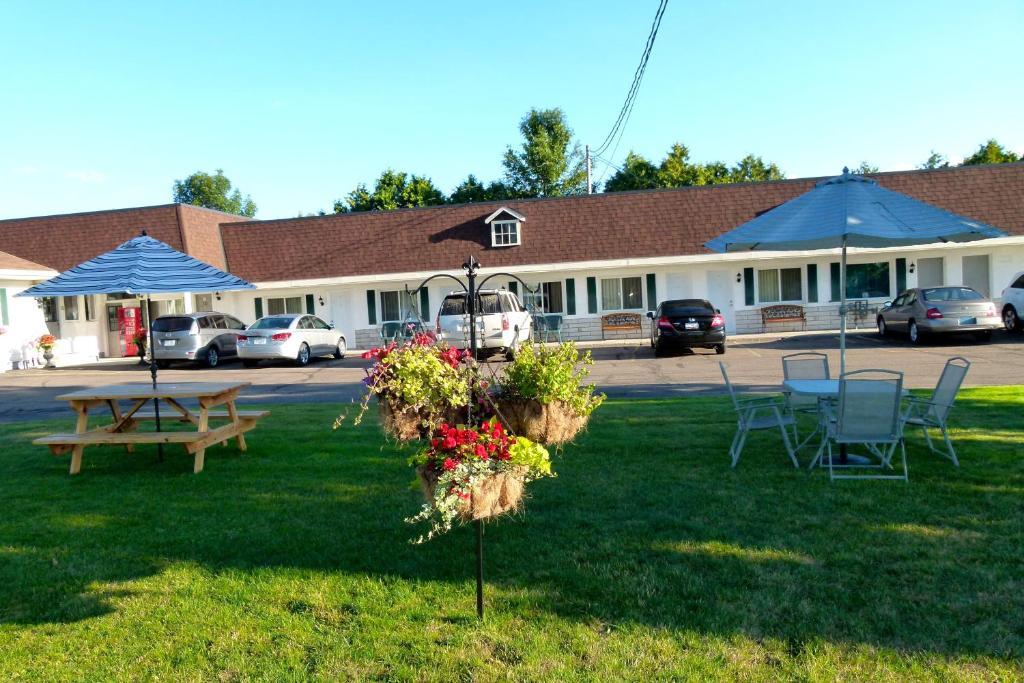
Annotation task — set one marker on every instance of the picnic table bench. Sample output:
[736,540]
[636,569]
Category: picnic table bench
[122,431]
[783,313]
[621,321]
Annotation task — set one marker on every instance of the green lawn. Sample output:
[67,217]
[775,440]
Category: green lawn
[647,558]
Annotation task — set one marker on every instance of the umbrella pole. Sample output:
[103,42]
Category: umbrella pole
[842,311]
[152,371]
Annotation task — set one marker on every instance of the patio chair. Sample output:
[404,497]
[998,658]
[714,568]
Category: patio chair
[391,331]
[806,365]
[757,413]
[867,413]
[932,412]
[552,327]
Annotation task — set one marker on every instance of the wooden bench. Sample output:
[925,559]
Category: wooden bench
[783,313]
[621,322]
[213,415]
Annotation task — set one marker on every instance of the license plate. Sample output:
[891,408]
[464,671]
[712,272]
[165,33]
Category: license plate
[968,321]
[170,342]
[692,326]
[259,340]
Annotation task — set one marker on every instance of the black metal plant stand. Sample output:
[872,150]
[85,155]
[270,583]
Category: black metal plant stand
[471,288]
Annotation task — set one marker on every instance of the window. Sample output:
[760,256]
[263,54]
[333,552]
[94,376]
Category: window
[1019,284]
[395,305]
[291,304]
[90,307]
[504,233]
[70,307]
[863,280]
[779,284]
[234,323]
[621,293]
[548,297]
[204,302]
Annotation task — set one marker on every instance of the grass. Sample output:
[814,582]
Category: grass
[647,558]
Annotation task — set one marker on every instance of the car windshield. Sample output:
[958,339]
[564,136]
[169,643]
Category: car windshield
[455,304]
[176,324]
[951,294]
[272,324]
[695,307]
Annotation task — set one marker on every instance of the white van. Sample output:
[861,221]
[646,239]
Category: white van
[502,322]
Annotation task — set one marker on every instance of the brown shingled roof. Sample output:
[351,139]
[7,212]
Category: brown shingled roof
[596,227]
[12,262]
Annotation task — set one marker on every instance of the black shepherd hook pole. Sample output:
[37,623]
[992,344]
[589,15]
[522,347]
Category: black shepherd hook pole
[470,267]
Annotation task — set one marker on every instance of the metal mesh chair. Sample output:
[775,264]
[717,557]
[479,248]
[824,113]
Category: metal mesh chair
[867,413]
[552,327]
[933,412]
[757,413]
[807,365]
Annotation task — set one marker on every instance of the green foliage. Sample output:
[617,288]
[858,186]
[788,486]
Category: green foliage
[213,192]
[393,190]
[550,163]
[935,160]
[532,455]
[991,152]
[676,170]
[472,190]
[865,168]
[548,374]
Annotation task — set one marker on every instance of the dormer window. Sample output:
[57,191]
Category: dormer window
[506,227]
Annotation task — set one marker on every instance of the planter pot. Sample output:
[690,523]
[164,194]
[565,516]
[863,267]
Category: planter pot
[407,424]
[48,356]
[545,423]
[493,495]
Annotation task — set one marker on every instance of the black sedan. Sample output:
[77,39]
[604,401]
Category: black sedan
[687,324]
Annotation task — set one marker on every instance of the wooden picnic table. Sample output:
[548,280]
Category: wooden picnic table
[122,431]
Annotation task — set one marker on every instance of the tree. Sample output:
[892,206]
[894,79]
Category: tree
[752,169]
[637,173]
[472,190]
[213,192]
[935,160]
[676,170]
[550,163]
[393,190]
[991,152]
[865,168]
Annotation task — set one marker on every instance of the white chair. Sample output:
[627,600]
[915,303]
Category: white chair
[757,413]
[933,412]
[867,413]
[806,365]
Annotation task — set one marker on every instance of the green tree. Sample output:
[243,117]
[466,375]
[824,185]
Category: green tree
[865,168]
[550,163]
[935,160]
[393,190]
[991,152]
[637,173]
[213,192]
[752,169]
[472,190]
[676,170]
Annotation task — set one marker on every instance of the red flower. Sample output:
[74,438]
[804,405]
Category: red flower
[481,451]
[448,443]
[450,464]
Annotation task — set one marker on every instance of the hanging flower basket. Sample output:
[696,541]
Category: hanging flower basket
[404,423]
[547,423]
[492,495]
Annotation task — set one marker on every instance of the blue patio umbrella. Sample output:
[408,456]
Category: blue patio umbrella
[144,266]
[850,210]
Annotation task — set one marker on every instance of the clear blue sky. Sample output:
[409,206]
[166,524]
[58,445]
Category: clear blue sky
[104,104]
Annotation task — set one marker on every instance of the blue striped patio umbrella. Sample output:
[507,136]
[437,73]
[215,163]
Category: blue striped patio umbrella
[140,266]
[850,210]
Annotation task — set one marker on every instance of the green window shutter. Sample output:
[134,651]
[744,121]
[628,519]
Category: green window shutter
[513,287]
[835,281]
[258,302]
[812,282]
[652,292]
[570,296]
[748,286]
[371,306]
[425,304]
[310,305]
[4,320]
[901,274]
[591,295]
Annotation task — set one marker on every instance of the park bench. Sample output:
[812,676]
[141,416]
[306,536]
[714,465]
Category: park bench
[621,322]
[783,313]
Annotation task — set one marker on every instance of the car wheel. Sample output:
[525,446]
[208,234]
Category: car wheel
[913,332]
[882,329]
[340,349]
[302,359]
[984,337]
[719,349]
[659,349]
[249,362]
[163,364]
[1011,321]
[212,357]
[510,354]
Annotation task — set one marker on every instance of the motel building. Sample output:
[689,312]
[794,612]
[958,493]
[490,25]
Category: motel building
[588,256]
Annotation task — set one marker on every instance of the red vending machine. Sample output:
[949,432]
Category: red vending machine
[129,323]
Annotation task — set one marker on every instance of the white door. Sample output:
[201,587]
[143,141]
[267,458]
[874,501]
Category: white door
[679,286]
[929,272]
[720,291]
[976,274]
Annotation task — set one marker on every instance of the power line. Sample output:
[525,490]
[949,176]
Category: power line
[627,106]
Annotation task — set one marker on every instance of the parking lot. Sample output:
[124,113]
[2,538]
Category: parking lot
[621,369]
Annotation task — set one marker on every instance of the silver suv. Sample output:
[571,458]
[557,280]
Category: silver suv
[502,322]
[206,337]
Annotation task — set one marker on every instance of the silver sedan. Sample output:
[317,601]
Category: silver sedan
[939,310]
[292,337]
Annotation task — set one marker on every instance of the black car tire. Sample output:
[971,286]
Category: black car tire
[302,357]
[510,354]
[212,357]
[659,349]
[1011,319]
[249,362]
[163,364]
[883,330]
[720,348]
[914,332]
[339,351]
[983,337]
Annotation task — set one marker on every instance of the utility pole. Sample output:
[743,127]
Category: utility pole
[590,184]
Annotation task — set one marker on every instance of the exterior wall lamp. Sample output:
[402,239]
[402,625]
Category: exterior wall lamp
[739,277]
[217,294]
[911,267]
[320,299]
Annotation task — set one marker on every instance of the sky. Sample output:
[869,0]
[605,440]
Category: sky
[103,105]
